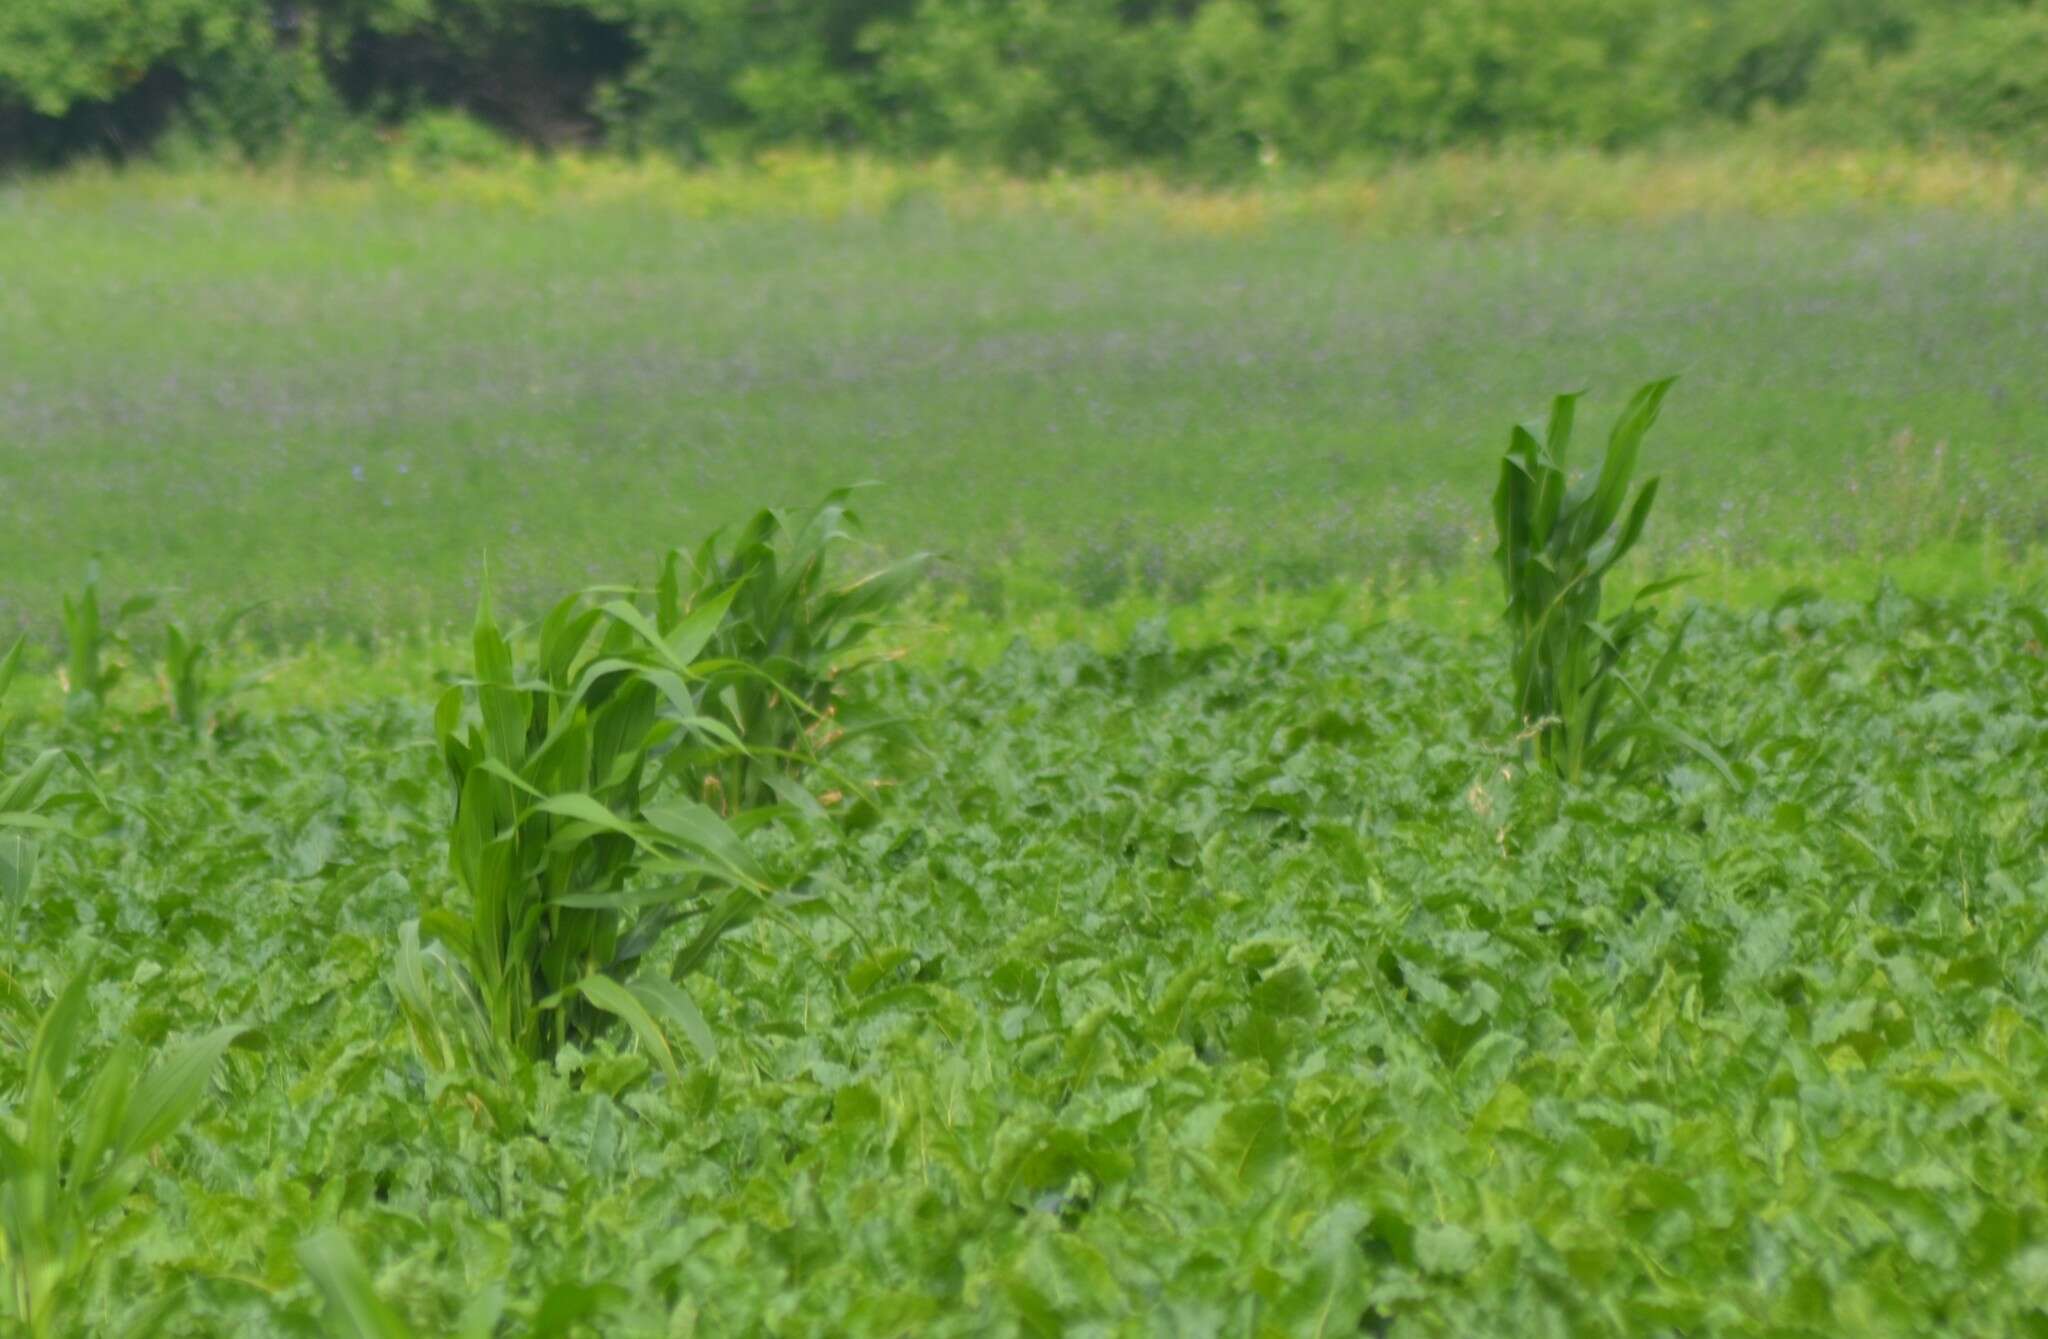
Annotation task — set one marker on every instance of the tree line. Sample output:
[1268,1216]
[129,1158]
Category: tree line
[1210,87]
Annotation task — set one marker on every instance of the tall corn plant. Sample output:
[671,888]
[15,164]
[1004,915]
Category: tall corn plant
[1559,540]
[779,663]
[571,859]
[71,1152]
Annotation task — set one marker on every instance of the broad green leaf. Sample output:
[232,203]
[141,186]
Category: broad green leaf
[352,1300]
[616,999]
[671,1003]
[172,1091]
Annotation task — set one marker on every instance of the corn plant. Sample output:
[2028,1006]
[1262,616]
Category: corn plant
[71,1152]
[778,665]
[193,701]
[1559,540]
[572,861]
[90,634]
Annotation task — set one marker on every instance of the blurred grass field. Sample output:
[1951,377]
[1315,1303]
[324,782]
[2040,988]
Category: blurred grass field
[340,396]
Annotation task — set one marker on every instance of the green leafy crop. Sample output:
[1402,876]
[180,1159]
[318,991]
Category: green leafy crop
[354,1311]
[28,799]
[72,1150]
[1213,978]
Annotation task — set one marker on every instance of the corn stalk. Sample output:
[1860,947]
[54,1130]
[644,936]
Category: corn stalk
[1559,540]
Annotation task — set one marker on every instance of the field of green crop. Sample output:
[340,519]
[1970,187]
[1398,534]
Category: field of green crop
[1145,927]
[1242,986]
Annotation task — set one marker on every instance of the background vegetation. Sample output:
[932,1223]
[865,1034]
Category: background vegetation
[1173,928]
[336,397]
[1207,86]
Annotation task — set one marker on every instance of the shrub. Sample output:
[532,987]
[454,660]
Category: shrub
[436,141]
[1981,81]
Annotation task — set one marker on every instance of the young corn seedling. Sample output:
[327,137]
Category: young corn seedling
[90,634]
[71,1153]
[190,695]
[1558,542]
[571,858]
[778,666]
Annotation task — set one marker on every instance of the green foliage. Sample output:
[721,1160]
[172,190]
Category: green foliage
[578,838]
[27,801]
[1038,85]
[712,78]
[1217,86]
[439,140]
[266,94]
[1340,80]
[57,53]
[91,635]
[1558,541]
[1983,85]
[354,1311]
[1190,968]
[194,702]
[72,1150]
[777,667]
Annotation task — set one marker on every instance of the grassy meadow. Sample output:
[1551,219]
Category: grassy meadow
[337,401]
[1167,919]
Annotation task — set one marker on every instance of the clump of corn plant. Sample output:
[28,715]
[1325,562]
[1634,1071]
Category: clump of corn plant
[71,1151]
[573,845]
[779,663]
[1559,540]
